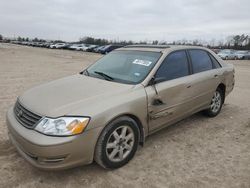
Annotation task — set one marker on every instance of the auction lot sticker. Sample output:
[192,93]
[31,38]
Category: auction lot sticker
[142,62]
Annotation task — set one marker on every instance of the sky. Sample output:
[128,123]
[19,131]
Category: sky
[136,20]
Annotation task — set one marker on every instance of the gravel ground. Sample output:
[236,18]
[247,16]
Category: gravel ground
[196,152]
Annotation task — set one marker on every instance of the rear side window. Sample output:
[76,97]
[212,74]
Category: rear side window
[200,61]
[174,66]
[215,62]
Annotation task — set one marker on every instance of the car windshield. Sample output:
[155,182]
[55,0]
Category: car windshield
[129,67]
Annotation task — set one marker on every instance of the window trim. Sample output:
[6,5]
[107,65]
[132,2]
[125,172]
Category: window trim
[188,62]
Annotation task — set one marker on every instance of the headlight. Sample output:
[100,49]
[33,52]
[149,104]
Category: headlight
[63,126]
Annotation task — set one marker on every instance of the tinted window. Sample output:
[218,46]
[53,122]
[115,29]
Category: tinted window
[215,62]
[200,61]
[174,66]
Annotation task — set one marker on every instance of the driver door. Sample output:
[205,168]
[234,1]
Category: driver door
[170,99]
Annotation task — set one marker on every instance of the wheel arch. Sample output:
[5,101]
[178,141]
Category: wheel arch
[140,126]
[138,122]
[222,86]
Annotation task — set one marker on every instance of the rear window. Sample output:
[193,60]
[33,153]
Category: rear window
[200,61]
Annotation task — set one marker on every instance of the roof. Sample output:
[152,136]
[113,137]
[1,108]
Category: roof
[158,48]
[147,46]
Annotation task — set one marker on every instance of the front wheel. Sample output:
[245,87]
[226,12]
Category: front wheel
[117,143]
[216,104]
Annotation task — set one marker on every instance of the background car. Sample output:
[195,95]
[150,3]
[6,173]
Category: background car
[215,50]
[58,45]
[227,54]
[98,49]
[243,54]
[109,48]
[77,47]
[91,48]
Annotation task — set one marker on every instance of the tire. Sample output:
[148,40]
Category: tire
[216,104]
[113,149]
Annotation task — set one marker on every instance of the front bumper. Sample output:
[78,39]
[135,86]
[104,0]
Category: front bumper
[52,153]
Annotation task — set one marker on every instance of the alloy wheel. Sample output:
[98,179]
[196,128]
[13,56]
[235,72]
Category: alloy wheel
[216,102]
[120,143]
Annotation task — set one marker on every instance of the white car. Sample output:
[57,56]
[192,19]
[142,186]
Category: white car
[227,54]
[243,54]
[58,45]
[78,47]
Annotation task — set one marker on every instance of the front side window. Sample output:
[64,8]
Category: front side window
[174,66]
[124,66]
[200,61]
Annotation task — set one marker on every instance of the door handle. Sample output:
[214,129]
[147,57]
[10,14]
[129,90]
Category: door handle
[216,75]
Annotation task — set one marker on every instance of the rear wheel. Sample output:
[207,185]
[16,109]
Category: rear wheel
[216,104]
[117,143]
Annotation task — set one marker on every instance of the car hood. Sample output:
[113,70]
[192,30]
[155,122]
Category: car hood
[63,96]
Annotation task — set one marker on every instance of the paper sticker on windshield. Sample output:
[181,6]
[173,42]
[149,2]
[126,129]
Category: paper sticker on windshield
[137,74]
[142,62]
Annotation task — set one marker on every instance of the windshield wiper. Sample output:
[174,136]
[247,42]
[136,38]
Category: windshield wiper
[105,76]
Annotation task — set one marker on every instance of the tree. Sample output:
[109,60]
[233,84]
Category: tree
[1,37]
[243,38]
[35,39]
[19,38]
[91,40]
[155,42]
[236,39]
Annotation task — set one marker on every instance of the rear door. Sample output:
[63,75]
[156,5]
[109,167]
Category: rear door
[205,77]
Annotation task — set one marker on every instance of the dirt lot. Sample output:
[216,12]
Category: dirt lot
[197,152]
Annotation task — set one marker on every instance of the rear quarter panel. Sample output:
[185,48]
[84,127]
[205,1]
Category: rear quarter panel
[228,78]
[226,73]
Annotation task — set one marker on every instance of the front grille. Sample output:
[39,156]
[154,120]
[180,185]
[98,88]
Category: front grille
[25,117]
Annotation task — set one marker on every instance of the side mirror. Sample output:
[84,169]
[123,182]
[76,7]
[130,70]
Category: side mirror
[154,80]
